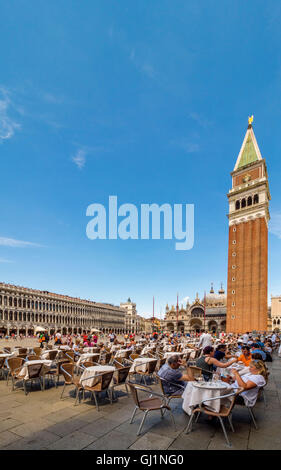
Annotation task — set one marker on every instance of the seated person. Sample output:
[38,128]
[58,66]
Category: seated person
[256,349]
[257,357]
[246,356]
[174,379]
[208,361]
[251,382]
[222,353]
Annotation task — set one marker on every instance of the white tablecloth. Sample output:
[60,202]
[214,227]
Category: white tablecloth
[123,352]
[7,355]
[86,356]
[91,372]
[90,349]
[141,364]
[227,371]
[193,395]
[45,354]
[24,370]
[169,354]
[147,349]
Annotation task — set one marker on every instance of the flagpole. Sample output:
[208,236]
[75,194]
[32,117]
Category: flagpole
[205,310]
[153,317]
[177,312]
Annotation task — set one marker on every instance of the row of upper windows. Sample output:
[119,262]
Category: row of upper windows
[22,316]
[23,303]
[245,202]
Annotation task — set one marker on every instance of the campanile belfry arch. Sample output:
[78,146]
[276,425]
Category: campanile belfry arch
[248,240]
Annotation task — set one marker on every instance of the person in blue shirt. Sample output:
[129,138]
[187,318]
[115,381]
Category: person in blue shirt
[257,349]
[173,378]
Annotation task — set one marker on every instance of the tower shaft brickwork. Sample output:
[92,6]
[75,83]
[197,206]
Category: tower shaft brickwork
[247,286]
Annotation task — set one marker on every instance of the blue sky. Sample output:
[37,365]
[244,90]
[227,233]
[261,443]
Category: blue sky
[146,100]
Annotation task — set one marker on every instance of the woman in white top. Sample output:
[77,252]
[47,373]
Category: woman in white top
[251,382]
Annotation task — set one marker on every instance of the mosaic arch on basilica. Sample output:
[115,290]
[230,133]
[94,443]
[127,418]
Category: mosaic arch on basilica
[191,318]
[247,285]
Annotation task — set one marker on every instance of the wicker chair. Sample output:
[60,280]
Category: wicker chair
[150,372]
[168,397]
[67,370]
[224,412]
[37,351]
[35,372]
[196,371]
[32,357]
[56,372]
[155,402]
[14,366]
[2,366]
[102,384]
[119,379]
[105,358]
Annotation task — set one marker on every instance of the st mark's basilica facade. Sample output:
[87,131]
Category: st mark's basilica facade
[208,313]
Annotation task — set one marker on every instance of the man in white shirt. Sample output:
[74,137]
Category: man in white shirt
[205,340]
[245,338]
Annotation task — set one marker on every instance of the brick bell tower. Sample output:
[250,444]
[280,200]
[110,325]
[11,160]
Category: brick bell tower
[248,240]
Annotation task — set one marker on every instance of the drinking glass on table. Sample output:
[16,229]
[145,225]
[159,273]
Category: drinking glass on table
[216,377]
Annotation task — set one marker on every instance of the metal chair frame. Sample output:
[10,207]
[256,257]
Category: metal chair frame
[201,409]
[164,406]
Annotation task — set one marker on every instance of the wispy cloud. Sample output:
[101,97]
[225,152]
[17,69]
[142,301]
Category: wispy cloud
[8,125]
[2,260]
[201,120]
[80,158]
[185,144]
[143,65]
[275,224]
[11,242]
[184,300]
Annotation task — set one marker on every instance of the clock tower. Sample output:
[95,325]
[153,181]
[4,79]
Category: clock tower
[248,240]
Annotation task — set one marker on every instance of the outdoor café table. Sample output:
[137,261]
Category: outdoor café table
[7,355]
[91,372]
[169,354]
[24,370]
[146,349]
[122,352]
[86,356]
[241,368]
[90,349]
[28,350]
[140,364]
[196,392]
[64,347]
[45,354]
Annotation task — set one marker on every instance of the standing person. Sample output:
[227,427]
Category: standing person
[111,337]
[205,340]
[41,339]
[58,338]
[47,338]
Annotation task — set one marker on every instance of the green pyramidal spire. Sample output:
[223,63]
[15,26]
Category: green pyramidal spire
[249,154]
